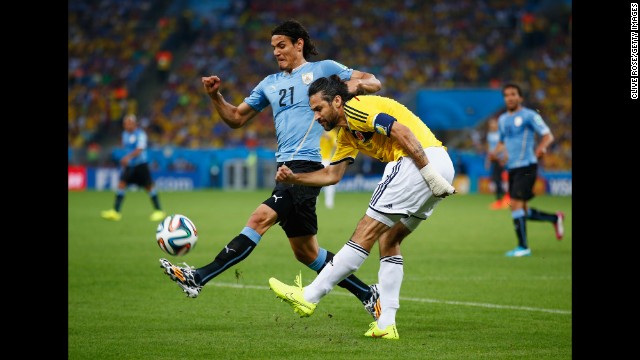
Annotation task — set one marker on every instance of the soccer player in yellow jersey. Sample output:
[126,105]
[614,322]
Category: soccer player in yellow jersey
[418,175]
[327,148]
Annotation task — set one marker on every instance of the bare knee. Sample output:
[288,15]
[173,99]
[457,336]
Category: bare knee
[262,218]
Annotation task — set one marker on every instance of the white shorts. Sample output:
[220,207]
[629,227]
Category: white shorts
[403,195]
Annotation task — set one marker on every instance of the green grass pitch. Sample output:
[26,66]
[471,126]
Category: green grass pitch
[461,298]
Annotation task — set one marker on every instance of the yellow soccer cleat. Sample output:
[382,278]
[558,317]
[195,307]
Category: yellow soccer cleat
[111,215]
[293,295]
[157,215]
[390,332]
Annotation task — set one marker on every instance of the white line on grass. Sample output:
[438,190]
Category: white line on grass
[464,303]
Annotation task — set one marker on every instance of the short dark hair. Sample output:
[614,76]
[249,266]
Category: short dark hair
[294,31]
[512,86]
[330,87]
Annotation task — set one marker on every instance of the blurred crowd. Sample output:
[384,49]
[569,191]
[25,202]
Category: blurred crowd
[109,46]
[407,44]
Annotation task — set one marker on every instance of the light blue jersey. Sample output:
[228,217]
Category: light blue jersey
[298,135]
[136,139]
[517,132]
[493,138]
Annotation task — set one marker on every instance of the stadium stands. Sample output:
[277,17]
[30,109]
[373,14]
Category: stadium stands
[409,45]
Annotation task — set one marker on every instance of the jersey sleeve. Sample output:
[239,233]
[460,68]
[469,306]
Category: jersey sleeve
[538,124]
[257,99]
[334,67]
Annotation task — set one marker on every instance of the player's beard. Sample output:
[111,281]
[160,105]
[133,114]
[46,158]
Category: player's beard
[331,124]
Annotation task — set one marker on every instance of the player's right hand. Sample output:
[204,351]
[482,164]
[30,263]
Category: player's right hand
[211,84]
[284,174]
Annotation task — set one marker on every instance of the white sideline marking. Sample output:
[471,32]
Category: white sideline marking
[464,303]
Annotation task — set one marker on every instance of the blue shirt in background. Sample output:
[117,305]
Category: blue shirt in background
[136,139]
[517,132]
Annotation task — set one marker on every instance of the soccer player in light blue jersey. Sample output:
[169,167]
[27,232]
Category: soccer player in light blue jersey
[496,167]
[298,138]
[134,170]
[518,128]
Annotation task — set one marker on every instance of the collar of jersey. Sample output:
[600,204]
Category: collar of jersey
[294,70]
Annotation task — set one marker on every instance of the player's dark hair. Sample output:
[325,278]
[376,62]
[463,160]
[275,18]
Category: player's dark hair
[512,86]
[330,87]
[294,31]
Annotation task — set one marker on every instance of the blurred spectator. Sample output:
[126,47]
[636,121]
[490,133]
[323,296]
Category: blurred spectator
[164,59]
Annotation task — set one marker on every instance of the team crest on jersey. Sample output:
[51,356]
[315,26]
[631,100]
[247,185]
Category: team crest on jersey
[517,121]
[307,78]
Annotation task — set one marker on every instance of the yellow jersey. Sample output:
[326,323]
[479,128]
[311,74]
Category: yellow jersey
[369,122]
[328,143]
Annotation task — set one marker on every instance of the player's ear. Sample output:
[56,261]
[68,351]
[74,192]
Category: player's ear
[337,101]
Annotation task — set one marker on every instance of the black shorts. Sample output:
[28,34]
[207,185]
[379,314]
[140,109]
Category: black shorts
[296,204]
[521,181]
[139,175]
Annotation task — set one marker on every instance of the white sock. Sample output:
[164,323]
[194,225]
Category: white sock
[329,195]
[390,278]
[344,263]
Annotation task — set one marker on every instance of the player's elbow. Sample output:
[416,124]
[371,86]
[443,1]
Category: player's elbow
[376,85]
[333,181]
[333,178]
[235,123]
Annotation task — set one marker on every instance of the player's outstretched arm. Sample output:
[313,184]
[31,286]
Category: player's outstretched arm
[330,175]
[439,186]
[234,116]
[363,83]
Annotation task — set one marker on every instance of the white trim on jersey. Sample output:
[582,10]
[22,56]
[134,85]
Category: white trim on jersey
[303,138]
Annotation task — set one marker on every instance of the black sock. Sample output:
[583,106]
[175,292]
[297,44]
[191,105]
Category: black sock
[118,204]
[155,201]
[351,283]
[535,214]
[235,251]
[520,224]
